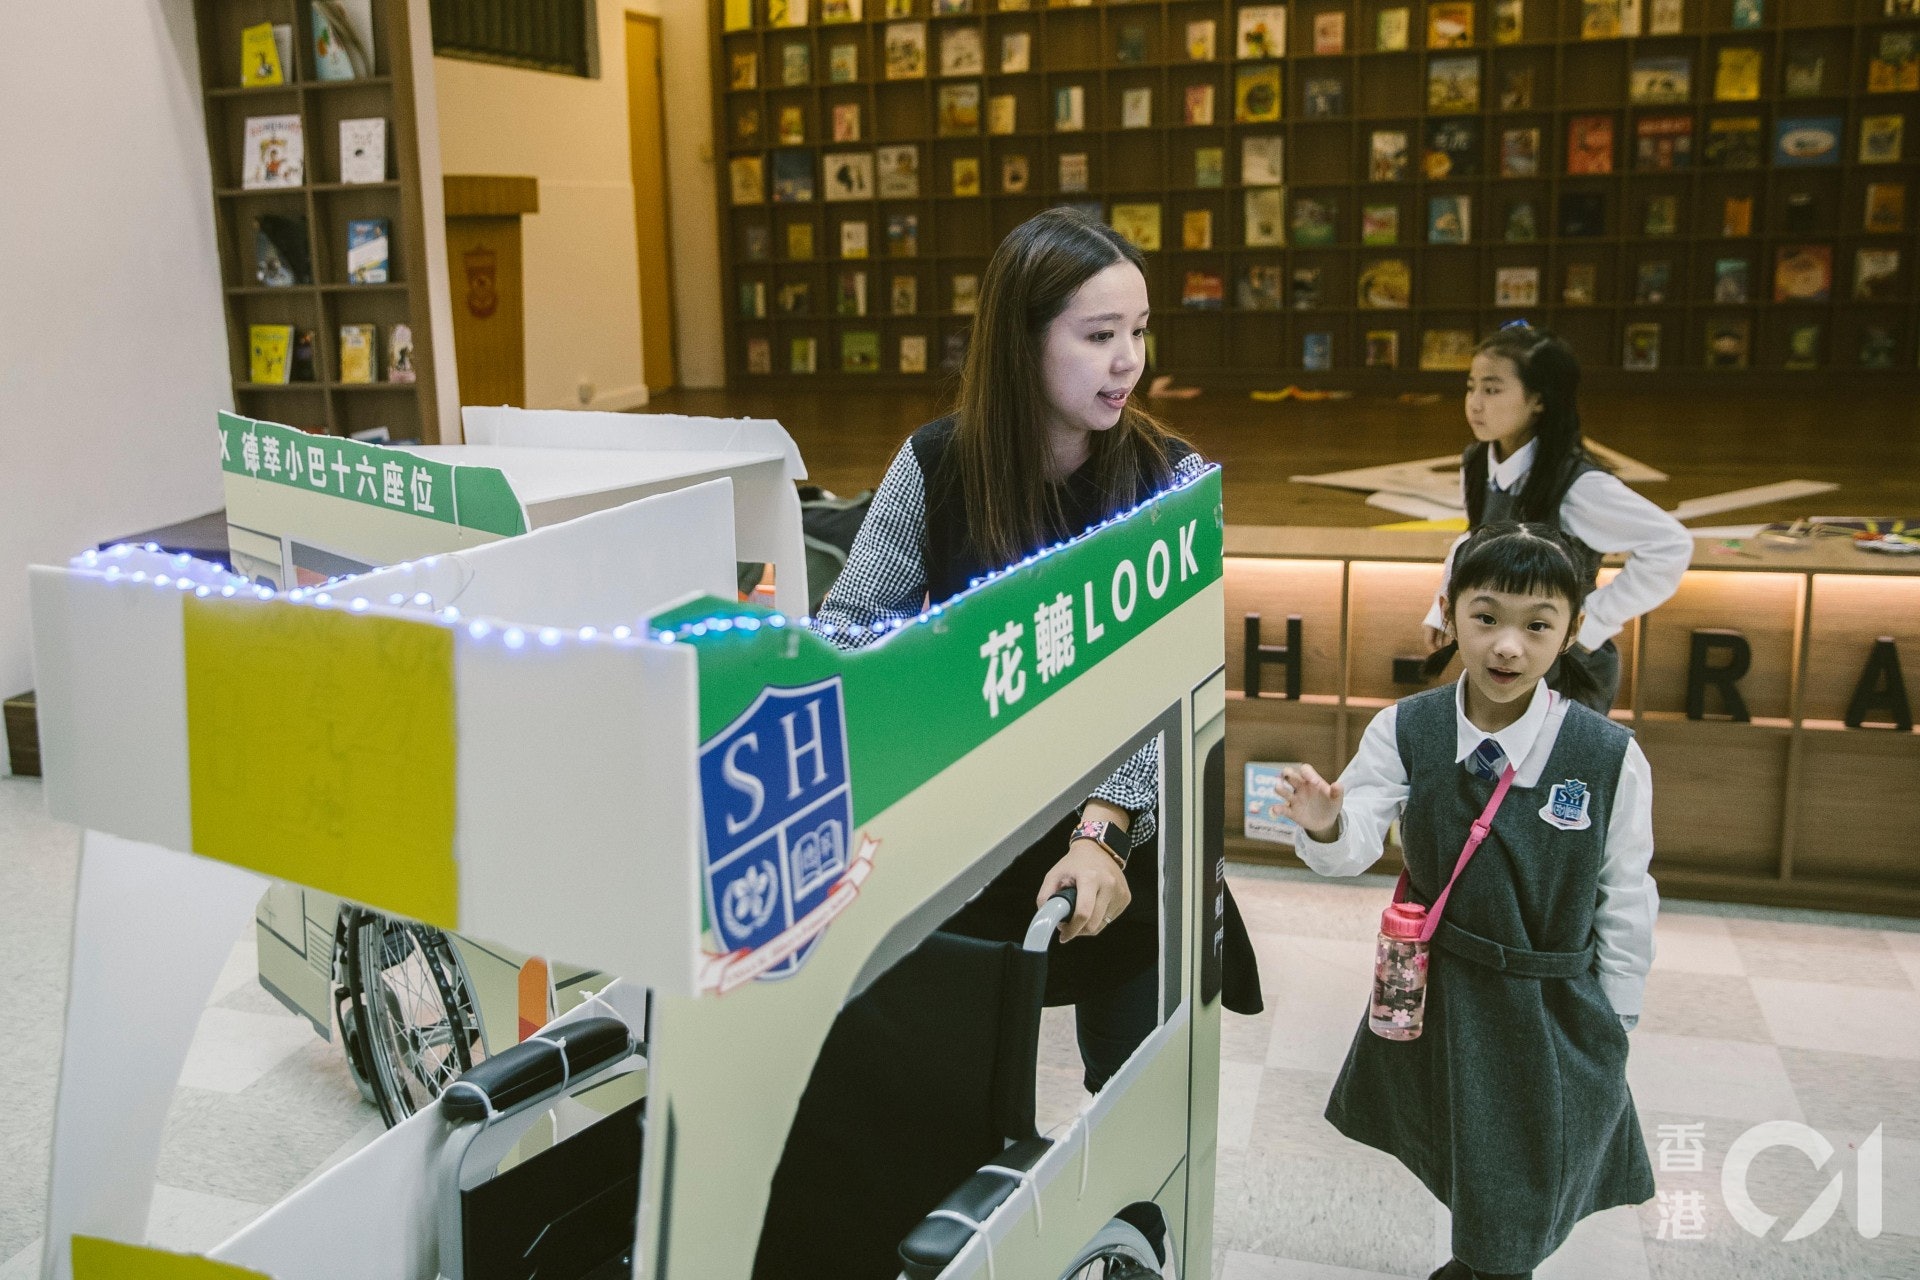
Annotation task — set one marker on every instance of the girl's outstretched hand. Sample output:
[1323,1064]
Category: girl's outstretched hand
[1312,801]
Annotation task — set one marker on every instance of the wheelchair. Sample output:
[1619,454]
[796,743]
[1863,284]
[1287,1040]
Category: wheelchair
[875,1182]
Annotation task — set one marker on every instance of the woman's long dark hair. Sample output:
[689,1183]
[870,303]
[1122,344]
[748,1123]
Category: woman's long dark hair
[1000,447]
[1531,559]
[1547,369]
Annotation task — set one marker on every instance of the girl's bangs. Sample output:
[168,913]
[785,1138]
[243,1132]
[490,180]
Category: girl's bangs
[1519,564]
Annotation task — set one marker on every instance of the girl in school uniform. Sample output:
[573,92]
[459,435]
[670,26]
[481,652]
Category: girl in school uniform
[1512,1104]
[1044,442]
[1529,462]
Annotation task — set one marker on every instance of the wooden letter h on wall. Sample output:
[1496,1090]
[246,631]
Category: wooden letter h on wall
[1259,655]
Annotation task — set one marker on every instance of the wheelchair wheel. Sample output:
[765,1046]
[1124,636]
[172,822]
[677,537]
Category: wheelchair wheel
[1119,1252]
[412,1012]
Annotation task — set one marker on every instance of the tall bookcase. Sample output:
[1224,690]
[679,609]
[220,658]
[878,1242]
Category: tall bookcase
[324,403]
[1327,160]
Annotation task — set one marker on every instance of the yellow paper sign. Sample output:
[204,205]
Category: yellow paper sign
[321,750]
[97,1259]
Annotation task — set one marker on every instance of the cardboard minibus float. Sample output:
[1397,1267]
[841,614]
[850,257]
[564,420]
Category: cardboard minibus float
[304,509]
[749,825]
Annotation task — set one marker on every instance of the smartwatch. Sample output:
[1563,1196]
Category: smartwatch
[1110,836]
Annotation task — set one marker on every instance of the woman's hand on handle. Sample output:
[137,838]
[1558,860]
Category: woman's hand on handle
[1100,883]
[1312,801]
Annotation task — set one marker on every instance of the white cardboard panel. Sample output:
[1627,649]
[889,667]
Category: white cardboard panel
[767,526]
[578,777]
[151,930]
[601,570]
[109,668]
[582,429]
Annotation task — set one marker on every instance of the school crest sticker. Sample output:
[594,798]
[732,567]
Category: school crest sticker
[777,807]
[1566,806]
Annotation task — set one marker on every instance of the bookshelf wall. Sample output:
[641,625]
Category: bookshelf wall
[1111,48]
[321,403]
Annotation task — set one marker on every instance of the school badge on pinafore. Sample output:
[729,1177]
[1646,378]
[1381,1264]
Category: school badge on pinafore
[1566,806]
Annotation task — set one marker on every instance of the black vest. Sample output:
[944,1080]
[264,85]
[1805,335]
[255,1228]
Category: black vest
[1498,504]
[952,559]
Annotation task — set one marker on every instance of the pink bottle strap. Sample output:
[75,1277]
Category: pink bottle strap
[1481,825]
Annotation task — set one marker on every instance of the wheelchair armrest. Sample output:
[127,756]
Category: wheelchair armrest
[934,1243]
[532,1068]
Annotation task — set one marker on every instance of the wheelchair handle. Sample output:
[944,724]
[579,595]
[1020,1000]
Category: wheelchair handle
[533,1068]
[1052,914]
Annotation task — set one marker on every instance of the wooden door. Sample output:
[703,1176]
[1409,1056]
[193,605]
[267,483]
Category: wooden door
[646,136]
[489,322]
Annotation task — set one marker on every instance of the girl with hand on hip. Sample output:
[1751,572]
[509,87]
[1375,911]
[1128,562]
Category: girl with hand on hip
[1045,442]
[1529,462]
[1511,1105]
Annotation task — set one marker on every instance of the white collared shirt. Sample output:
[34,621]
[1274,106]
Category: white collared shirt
[1376,787]
[1601,511]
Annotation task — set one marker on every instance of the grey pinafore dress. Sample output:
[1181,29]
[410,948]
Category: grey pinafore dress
[1512,1106]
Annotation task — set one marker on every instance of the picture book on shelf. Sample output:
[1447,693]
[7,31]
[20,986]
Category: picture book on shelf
[1449,219]
[1203,290]
[274,153]
[843,64]
[1876,275]
[1263,222]
[1259,288]
[1896,63]
[280,256]
[1879,345]
[1659,81]
[1306,288]
[1733,142]
[966,176]
[1737,75]
[1316,352]
[367,251]
[1209,166]
[1450,25]
[1608,19]
[1136,108]
[1749,14]
[1015,175]
[1590,145]
[966,293]
[960,53]
[796,298]
[1383,349]
[342,39]
[803,355]
[1886,208]
[753,299]
[746,124]
[1453,149]
[261,62]
[268,349]
[899,171]
[1262,160]
[1581,284]
[759,356]
[1392,29]
[1662,216]
[1806,72]
[1380,224]
[904,295]
[1069,108]
[1736,216]
[1516,89]
[796,64]
[953,351]
[1387,155]
[846,122]
[792,177]
[906,50]
[1138,224]
[363,150]
[958,109]
[1666,17]
[1453,83]
[1803,347]
[832,11]
[1130,44]
[1810,140]
[853,238]
[1323,97]
[1520,153]
[737,15]
[1523,225]
[400,354]
[1330,32]
[1016,52]
[1256,93]
[304,363]
[1073,171]
[1313,221]
[1642,346]
[1516,287]
[1446,350]
[356,353]
[850,298]
[1262,31]
[1385,284]
[1509,21]
[757,243]
[800,241]
[745,70]
[1650,282]
[1802,273]
[1199,104]
[1662,144]
[1732,281]
[913,353]
[1881,138]
[1196,229]
[1200,40]
[1727,341]
[793,126]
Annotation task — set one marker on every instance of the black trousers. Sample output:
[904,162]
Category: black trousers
[1111,979]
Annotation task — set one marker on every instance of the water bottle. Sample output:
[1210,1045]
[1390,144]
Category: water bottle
[1400,973]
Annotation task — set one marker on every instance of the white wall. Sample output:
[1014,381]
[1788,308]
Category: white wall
[581,275]
[112,341]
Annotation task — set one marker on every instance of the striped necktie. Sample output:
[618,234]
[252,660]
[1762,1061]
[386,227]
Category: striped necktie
[1487,760]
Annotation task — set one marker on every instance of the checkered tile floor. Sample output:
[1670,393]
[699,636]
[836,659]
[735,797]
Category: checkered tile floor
[1751,1017]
